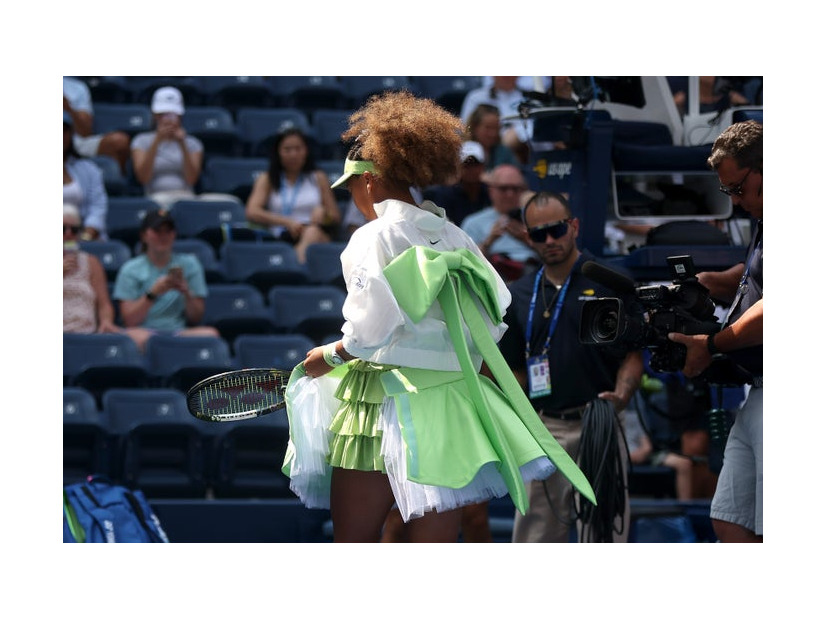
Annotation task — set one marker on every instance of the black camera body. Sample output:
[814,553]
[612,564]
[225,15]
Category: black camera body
[684,307]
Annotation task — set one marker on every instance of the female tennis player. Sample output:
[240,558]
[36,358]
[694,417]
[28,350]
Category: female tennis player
[405,416]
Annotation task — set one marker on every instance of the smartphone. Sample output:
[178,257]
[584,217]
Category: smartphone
[515,214]
[176,273]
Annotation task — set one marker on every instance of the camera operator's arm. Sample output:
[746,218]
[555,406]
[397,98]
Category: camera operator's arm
[628,380]
[722,285]
[747,331]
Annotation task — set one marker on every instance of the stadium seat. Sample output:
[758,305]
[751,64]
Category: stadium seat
[179,362]
[358,88]
[235,309]
[262,264]
[448,91]
[324,263]
[212,221]
[314,311]
[283,351]
[328,125]
[308,92]
[125,215]
[213,269]
[247,457]
[258,127]
[108,89]
[114,181]
[162,448]
[86,448]
[144,87]
[98,362]
[215,128]
[131,118]
[236,92]
[112,254]
[233,175]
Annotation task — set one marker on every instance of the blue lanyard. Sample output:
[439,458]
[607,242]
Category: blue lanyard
[557,309]
[288,202]
[756,243]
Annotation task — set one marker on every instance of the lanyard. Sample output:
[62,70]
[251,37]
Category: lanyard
[557,309]
[756,242]
[288,200]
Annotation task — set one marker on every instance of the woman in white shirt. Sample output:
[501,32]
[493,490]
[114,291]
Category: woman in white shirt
[397,412]
[293,198]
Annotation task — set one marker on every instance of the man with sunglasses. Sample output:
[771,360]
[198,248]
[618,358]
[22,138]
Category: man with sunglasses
[737,506]
[562,376]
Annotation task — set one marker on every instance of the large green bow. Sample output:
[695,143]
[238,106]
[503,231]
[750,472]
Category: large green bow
[418,277]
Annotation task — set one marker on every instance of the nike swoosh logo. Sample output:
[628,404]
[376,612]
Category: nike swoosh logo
[434,242]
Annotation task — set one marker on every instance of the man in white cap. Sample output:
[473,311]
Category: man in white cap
[470,193]
[167,162]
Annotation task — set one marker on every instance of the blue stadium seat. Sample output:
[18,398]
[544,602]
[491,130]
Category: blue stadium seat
[143,87]
[131,118]
[359,88]
[114,180]
[209,220]
[448,91]
[314,311]
[179,362]
[324,263]
[258,127]
[125,215]
[235,309]
[235,92]
[233,175]
[328,125]
[112,254]
[215,128]
[213,268]
[98,362]
[247,457]
[108,89]
[86,447]
[162,448]
[283,351]
[262,264]
[308,92]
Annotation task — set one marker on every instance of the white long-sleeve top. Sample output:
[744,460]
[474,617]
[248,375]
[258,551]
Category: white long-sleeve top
[375,328]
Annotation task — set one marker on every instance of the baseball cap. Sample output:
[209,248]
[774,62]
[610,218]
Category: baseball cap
[168,99]
[154,219]
[472,149]
[353,167]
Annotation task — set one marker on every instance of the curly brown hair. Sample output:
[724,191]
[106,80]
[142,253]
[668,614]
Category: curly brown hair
[411,141]
[743,142]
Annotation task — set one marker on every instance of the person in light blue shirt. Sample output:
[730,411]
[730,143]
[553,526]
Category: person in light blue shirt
[160,290]
[83,186]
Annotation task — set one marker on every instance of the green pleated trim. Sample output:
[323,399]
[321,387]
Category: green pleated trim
[356,440]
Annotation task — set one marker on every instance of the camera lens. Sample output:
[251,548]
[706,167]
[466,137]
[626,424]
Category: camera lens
[604,326]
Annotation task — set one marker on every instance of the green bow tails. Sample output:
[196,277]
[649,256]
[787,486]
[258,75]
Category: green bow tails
[420,276]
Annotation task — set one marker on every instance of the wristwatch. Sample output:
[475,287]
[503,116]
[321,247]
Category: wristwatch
[331,356]
[151,296]
[712,348]
[336,358]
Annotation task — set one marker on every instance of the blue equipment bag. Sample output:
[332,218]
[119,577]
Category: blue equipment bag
[98,511]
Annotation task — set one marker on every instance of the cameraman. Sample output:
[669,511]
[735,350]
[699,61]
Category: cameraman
[737,506]
[562,376]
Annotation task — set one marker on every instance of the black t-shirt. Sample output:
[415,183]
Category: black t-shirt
[578,371]
[455,201]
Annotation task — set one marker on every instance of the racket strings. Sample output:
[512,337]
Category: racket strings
[238,394]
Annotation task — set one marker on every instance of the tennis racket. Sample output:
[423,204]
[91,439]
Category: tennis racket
[238,394]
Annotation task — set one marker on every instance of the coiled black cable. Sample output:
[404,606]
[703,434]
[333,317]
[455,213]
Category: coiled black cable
[600,458]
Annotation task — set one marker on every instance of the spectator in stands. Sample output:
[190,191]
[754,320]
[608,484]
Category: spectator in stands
[498,229]
[87,308]
[483,126]
[77,103]
[293,198]
[160,290]
[506,97]
[470,193]
[168,162]
[83,186]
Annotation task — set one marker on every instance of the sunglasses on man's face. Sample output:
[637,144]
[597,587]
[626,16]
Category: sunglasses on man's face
[73,229]
[735,190]
[557,230]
